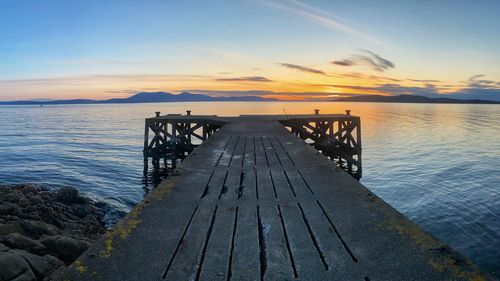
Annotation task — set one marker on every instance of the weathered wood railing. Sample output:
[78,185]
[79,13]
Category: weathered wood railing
[337,137]
[174,136]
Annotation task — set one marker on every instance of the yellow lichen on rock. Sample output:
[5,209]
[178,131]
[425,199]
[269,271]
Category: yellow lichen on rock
[79,267]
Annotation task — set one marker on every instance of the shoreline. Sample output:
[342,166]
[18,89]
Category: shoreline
[43,230]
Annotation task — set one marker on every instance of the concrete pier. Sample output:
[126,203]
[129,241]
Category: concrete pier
[254,201]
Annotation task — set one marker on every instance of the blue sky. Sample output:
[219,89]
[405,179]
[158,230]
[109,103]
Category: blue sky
[103,49]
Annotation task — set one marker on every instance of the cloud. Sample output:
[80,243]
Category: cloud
[424,80]
[302,68]
[475,89]
[367,58]
[344,62]
[479,89]
[319,16]
[379,61]
[245,79]
[475,82]
[428,90]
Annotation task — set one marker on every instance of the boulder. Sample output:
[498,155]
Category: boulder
[68,195]
[7,208]
[3,248]
[9,228]
[53,261]
[17,241]
[39,265]
[36,228]
[82,210]
[12,265]
[30,188]
[66,248]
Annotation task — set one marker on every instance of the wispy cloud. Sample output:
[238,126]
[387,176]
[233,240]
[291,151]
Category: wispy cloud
[477,88]
[302,68]
[245,79]
[428,90]
[475,82]
[319,16]
[367,58]
[425,80]
[344,62]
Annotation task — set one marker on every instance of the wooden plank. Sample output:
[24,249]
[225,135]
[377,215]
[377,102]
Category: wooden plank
[185,264]
[278,264]
[285,160]
[307,257]
[217,260]
[239,153]
[227,155]
[272,158]
[338,258]
[265,188]
[302,154]
[248,185]
[281,185]
[208,154]
[246,263]
[300,187]
[249,158]
[231,188]
[214,187]
[260,154]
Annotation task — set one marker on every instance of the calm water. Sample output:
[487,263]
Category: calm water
[437,164]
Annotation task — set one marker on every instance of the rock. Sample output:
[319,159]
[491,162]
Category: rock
[9,228]
[12,265]
[66,248]
[68,195]
[8,208]
[53,261]
[17,241]
[3,248]
[30,188]
[82,210]
[39,265]
[58,275]
[37,228]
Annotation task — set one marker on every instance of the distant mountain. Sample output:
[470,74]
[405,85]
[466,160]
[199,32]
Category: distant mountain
[411,99]
[152,97]
[144,97]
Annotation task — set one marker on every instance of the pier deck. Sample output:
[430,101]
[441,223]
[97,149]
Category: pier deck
[254,202]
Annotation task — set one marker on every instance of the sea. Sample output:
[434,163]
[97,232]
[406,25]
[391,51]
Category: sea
[438,164]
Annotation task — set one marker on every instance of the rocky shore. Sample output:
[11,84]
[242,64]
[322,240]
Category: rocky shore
[41,231]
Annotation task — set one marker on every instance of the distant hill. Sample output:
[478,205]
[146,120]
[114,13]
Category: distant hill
[144,97]
[152,97]
[411,99]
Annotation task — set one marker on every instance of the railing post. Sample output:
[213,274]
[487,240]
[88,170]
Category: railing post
[146,146]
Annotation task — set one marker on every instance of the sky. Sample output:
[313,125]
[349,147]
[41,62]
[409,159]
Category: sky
[290,49]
